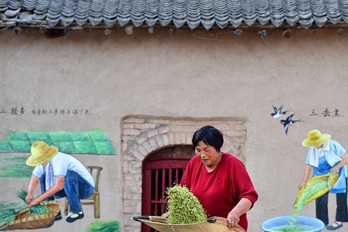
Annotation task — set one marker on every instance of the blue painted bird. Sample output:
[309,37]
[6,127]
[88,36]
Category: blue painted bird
[278,112]
[288,122]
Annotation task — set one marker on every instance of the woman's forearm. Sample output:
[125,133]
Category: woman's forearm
[242,207]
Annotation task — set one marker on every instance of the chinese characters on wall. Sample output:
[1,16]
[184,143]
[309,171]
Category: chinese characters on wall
[18,111]
[326,113]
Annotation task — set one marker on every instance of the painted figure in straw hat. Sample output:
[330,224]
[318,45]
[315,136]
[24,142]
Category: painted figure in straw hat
[325,155]
[60,175]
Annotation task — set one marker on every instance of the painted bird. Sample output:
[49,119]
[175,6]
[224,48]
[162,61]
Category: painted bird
[288,122]
[278,112]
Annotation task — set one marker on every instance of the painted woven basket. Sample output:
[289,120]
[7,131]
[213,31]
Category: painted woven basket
[213,224]
[23,221]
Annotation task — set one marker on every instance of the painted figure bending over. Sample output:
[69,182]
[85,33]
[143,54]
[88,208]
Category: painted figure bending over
[60,175]
[325,155]
[219,180]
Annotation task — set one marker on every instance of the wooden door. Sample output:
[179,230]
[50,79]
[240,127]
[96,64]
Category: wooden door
[159,173]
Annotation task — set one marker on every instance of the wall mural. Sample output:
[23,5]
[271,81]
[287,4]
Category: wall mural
[327,113]
[278,112]
[19,111]
[75,142]
[47,150]
[288,122]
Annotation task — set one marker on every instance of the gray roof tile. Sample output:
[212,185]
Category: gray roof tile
[192,13]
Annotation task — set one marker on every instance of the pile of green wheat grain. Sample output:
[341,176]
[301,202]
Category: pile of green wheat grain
[184,207]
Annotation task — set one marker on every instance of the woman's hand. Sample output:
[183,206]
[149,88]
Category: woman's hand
[165,215]
[241,208]
[232,219]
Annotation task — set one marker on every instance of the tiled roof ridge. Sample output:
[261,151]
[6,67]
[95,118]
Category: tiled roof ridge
[180,13]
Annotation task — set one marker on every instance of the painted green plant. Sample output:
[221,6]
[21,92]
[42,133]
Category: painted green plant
[104,226]
[74,142]
[35,209]
[14,167]
[8,210]
[184,207]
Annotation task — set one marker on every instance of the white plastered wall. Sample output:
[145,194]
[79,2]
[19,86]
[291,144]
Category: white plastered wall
[180,75]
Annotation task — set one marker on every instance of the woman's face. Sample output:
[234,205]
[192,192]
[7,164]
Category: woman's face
[207,154]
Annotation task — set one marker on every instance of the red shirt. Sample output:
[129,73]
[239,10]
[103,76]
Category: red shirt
[219,191]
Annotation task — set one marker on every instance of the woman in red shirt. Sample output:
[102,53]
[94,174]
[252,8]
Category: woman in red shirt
[219,180]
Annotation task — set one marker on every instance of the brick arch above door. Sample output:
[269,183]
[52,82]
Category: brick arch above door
[144,135]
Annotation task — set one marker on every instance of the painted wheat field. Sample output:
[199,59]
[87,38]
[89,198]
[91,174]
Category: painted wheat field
[14,167]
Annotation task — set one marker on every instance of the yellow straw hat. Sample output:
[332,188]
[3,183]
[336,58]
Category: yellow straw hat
[41,153]
[315,138]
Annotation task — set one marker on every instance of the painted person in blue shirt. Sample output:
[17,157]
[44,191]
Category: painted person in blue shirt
[325,155]
[60,175]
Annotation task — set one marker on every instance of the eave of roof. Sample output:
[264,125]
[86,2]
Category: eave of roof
[191,14]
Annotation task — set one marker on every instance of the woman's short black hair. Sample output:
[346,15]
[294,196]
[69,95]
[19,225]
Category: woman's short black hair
[208,135]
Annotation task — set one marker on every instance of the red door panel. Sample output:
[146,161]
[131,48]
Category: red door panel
[158,175]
